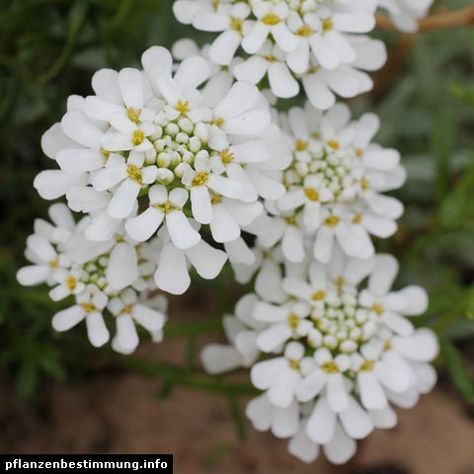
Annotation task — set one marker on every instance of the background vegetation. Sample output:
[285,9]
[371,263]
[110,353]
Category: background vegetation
[49,49]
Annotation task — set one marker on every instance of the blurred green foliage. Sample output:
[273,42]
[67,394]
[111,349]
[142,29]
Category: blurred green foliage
[50,48]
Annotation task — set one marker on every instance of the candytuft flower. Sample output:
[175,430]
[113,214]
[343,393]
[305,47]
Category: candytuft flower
[339,352]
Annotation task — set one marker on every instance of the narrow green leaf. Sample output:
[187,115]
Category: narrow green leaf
[458,370]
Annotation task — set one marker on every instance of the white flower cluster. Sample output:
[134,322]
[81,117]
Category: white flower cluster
[337,353]
[191,159]
[170,164]
[113,278]
[320,43]
[334,188]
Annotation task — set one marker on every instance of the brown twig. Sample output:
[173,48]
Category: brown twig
[438,21]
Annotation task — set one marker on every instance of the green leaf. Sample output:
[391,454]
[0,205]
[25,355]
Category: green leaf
[458,370]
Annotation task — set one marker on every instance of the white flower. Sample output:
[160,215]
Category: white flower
[269,60]
[340,353]
[241,331]
[334,188]
[405,14]
[166,208]
[89,306]
[100,276]
[128,311]
[231,21]
[172,274]
[317,42]
[270,20]
[152,134]
[46,260]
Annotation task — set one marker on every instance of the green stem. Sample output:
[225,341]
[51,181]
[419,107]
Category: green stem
[185,377]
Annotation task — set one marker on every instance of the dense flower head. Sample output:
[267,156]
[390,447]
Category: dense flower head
[336,352]
[334,188]
[112,278]
[149,151]
[319,43]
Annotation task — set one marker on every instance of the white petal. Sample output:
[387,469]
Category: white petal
[220,358]
[341,447]
[172,273]
[371,393]
[68,318]
[124,199]
[207,260]
[321,423]
[122,269]
[126,340]
[96,329]
[356,421]
[144,226]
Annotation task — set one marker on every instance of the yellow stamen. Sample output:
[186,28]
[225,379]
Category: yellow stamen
[137,137]
[312,194]
[218,121]
[270,58]
[328,25]
[377,309]
[332,221]
[200,178]
[53,263]
[166,207]
[359,152]
[293,321]
[339,282]
[387,345]
[71,282]
[367,366]
[364,183]
[216,199]
[127,309]
[133,115]
[227,157]
[105,153]
[318,295]
[294,364]
[88,307]
[182,106]
[236,24]
[134,173]
[305,31]
[301,145]
[330,367]
[270,19]
[291,220]
[334,144]
[357,219]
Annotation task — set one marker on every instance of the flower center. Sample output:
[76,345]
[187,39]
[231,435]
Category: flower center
[137,137]
[332,221]
[312,194]
[200,178]
[71,282]
[270,19]
[305,31]
[133,114]
[182,106]
[134,173]
[236,24]
[301,145]
[89,307]
[227,157]
[327,25]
